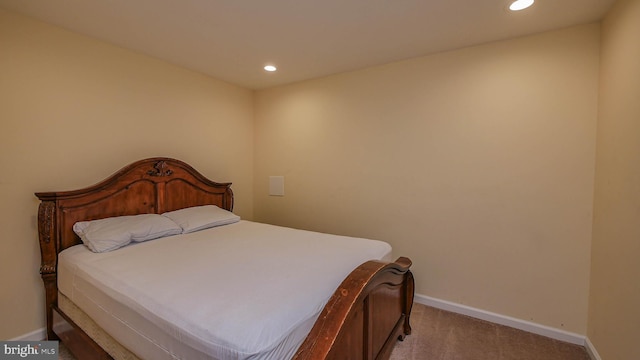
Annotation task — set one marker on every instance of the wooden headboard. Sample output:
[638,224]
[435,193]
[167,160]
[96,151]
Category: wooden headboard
[147,186]
[154,185]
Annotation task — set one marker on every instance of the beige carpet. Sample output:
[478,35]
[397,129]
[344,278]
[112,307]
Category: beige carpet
[441,335]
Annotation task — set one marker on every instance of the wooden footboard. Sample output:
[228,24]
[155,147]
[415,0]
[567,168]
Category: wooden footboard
[366,315]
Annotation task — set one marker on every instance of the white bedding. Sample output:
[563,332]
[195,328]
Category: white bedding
[240,291]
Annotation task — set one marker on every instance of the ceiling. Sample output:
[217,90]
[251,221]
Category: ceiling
[233,39]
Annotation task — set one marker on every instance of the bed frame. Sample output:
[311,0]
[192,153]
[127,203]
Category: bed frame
[363,319]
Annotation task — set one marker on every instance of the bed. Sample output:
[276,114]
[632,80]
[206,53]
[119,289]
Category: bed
[253,285]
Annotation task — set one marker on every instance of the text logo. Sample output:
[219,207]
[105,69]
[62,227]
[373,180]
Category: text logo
[42,350]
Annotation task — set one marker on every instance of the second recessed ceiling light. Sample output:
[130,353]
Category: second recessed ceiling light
[520,5]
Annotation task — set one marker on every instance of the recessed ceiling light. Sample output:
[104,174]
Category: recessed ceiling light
[270,68]
[520,5]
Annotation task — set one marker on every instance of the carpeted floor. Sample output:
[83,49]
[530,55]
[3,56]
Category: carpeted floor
[441,335]
[63,353]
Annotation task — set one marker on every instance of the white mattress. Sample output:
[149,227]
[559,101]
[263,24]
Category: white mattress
[240,291]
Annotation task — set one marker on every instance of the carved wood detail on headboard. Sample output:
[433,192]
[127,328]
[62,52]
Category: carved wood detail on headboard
[160,169]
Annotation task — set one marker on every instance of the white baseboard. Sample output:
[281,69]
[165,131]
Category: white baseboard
[36,335]
[591,350]
[524,325]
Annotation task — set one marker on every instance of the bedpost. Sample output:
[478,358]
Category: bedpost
[229,198]
[409,290]
[49,254]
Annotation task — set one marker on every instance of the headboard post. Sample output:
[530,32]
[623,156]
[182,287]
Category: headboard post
[48,250]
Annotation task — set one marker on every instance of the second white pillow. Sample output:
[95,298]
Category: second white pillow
[201,217]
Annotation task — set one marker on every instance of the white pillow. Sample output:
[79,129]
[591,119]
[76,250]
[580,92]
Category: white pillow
[201,217]
[115,232]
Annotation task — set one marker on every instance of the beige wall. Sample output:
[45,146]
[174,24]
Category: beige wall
[477,163]
[74,110]
[614,311]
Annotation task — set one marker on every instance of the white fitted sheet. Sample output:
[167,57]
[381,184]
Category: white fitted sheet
[240,291]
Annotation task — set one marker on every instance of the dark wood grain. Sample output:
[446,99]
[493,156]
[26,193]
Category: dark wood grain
[365,316]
